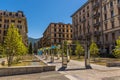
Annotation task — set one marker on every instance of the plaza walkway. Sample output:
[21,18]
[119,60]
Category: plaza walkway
[76,71]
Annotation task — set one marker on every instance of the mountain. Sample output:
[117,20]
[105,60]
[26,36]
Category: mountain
[32,40]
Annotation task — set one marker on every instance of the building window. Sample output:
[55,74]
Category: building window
[111,4]
[106,37]
[0,31]
[67,36]
[13,21]
[54,30]
[54,35]
[118,1]
[105,8]
[59,30]
[87,7]
[80,19]
[63,30]
[63,36]
[87,14]
[67,30]
[19,21]
[106,26]
[0,25]
[83,10]
[4,33]
[112,13]
[113,36]
[54,40]
[112,24]
[59,35]
[0,20]
[105,15]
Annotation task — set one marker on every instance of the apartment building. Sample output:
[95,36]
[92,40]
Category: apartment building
[56,33]
[19,20]
[40,43]
[100,19]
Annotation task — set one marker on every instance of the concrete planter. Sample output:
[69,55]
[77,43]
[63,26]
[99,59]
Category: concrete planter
[25,70]
[113,64]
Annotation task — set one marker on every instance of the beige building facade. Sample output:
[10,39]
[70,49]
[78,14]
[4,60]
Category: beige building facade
[18,19]
[98,20]
[56,33]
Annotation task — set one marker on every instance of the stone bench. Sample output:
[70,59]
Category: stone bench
[25,70]
[113,64]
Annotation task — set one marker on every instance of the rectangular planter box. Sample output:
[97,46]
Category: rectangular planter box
[25,70]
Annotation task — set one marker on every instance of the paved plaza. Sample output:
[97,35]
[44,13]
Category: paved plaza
[37,76]
[74,71]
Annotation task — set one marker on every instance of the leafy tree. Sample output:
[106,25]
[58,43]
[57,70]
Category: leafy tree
[117,49]
[79,49]
[13,44]
[94,49]
[30,48]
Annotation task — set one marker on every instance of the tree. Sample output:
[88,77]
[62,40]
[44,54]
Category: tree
[30,48]
[79,49]
[94,49]
[116,51]
[13,44]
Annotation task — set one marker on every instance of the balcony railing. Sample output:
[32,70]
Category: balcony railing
[95,6]
[97,33]
[97,24]
[96,15]
[80,37]
[83,20]
[118,5]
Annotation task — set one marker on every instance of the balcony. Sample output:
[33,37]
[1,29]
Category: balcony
[80,37]
[97,33]
[83,20]
[118,5]
[97,24]
[96,15]
[88,35]
[95,6]
[119,17]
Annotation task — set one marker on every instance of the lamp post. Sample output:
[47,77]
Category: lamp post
[52,52]
[64,58]
[87,53]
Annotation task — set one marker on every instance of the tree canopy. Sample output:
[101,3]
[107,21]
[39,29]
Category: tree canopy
[79,49]
[13,44]
[117,49]
[94,49]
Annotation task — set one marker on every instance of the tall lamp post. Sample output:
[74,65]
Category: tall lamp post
[87,53]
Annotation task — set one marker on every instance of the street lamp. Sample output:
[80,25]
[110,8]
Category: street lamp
[87,53]
[64,58]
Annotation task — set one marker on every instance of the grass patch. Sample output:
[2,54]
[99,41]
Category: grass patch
[27,60]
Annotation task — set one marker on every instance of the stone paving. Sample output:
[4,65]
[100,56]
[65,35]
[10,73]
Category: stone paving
[76,71]
[37,76]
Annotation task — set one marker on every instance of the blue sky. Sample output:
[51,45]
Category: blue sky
[40,13]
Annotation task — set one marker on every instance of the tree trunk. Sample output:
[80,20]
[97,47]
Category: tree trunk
[78,56]
[10,59]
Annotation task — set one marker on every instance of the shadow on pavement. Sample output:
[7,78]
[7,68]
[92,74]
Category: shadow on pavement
[64,69]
